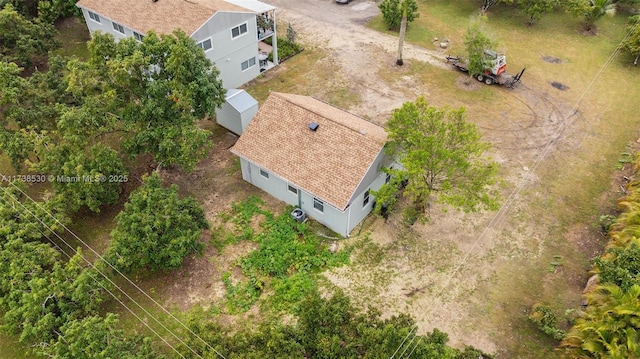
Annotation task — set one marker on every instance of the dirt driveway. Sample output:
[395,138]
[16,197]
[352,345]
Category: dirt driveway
[355,50]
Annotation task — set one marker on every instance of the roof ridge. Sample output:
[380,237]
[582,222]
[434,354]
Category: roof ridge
[323,116]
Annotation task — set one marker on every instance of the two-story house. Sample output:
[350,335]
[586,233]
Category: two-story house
[231,32]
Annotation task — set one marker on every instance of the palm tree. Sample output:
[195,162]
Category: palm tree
[609,327]
[594,11]
[403,30]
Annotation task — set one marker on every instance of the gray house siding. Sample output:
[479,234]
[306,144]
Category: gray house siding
[105,25]
[372,174]
[341,222]
[229,53]
[237,111]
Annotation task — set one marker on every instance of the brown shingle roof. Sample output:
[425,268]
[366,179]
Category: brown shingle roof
[162,16]
[329,162]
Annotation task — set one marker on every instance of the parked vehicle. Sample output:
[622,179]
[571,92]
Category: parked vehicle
[495,73]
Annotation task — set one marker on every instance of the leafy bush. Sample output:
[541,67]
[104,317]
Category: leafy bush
[392,12]
[620,266]
[241,296]
[156,229]
[545,320]
[291,291]
[288,253]
[287,247]
[286,49]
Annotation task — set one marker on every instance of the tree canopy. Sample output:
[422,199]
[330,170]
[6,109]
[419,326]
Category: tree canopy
[476,43]
[442,159]
[81,120]
[22,40]
[536,8]
[589,11]
[487,4]
[392,12]
[632,43]
[156,229]
[94,337]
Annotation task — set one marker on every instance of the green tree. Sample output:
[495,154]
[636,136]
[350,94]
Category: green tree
[52,10]
[536,8]
[28,8]
[95,337]
[50,296]
[443,160]
[326,328]
[158,89]
[487,4]
[156,229]
[620,265]
[609,327]
[392,12]
[27,220]
[476,43]
[632,43]
[23,41]
[589,11]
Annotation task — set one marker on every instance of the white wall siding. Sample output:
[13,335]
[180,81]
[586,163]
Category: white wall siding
[105,25]
[331,217]
[228,53]
[341,222]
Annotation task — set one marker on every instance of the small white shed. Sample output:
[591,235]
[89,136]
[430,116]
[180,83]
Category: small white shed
[237,111]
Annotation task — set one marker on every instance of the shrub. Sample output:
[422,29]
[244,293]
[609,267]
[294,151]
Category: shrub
[545,320]
[392,12]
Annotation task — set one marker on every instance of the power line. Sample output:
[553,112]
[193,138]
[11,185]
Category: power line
[104,287]
[92,265]
[516,191]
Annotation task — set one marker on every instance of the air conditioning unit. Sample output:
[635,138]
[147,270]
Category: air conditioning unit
[299,215]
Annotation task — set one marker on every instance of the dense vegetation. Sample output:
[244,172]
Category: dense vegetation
[156,229]
[609,326]
[457,171]
[89,118]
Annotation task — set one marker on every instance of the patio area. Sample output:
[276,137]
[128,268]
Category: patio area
[264,50]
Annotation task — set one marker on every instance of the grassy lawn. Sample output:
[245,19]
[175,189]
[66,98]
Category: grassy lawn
[572,187]
[573,184]
[11,349]
[301,75]
[73,35]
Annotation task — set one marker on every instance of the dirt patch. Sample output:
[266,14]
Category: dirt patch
[551,59]
[468,83]
[559,85]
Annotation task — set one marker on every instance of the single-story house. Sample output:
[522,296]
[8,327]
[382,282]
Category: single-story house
[315,156]
[231,32]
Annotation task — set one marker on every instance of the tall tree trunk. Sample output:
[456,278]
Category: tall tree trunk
[403,29]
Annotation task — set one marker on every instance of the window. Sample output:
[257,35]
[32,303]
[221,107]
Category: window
[205,45]
[248,64]
[118,27]
[138,36]
[292,189]
[93,16]
[366,199]
[264,173]
[238,30]
[318,204]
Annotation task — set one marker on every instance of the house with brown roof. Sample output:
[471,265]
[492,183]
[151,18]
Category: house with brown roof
[231,32]
[315,156]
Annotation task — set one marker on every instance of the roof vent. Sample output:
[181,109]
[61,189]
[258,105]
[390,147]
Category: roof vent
[154,0]
[313,126]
